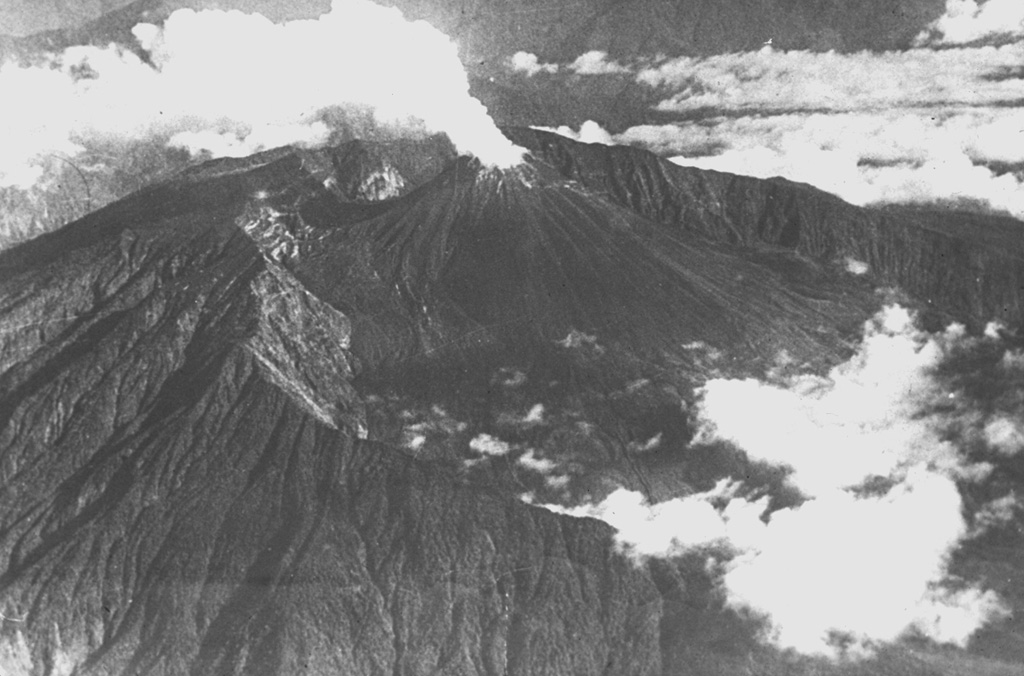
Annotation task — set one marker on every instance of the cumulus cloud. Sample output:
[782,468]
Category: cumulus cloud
[921,125]
[230,83]
[891,157]
[596,63]
[865,419]
[1005,435]
[531,461]
[589,132]
[916,155]
[856,267]
[967,21]
[525,62]
[864,570]
[878,450]
[774,80]
[924,125]
[677,525]
[485,444]
[535,415]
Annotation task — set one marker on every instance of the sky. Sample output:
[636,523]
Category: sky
[941,122]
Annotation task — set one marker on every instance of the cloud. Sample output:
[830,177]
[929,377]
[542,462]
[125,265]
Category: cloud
[968,21]
[596,63]
[920,126]
[589,132]
[864,570]
[998,512]
[525,62]
[531,461]
[856,267]
[485,444]
[877,451]
[230,83]
[1005,435]
[785,81]
[674,526]
[864,419]
[896,156]
[535,415]
[917,126]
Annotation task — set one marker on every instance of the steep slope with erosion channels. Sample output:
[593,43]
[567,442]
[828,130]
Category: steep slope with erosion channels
[207,392]
[963,266]
[186,490]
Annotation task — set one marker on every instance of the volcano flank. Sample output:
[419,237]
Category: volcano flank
[236,407]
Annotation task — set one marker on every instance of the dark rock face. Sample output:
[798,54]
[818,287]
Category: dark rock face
[186,490]
[964,266]
[207,391]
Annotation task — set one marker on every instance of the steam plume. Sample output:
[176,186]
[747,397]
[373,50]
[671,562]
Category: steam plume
[229,84]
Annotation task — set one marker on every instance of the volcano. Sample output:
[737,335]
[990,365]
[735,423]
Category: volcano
[236,407]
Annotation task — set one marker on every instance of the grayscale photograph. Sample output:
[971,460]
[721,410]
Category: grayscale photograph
[511,337]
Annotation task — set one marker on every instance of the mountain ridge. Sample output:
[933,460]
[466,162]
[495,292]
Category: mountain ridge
[906,248]
[210,392]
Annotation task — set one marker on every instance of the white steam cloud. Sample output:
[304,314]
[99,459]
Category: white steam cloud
[878,449]
[967,21]
[230,83]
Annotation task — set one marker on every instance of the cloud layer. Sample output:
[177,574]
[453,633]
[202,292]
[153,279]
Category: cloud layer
[778,81]
[230,83]
[866,158]
[926,125]
[967,21]
[878,451]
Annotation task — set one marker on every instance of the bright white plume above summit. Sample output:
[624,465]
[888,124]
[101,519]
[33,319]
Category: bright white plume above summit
[231,83]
